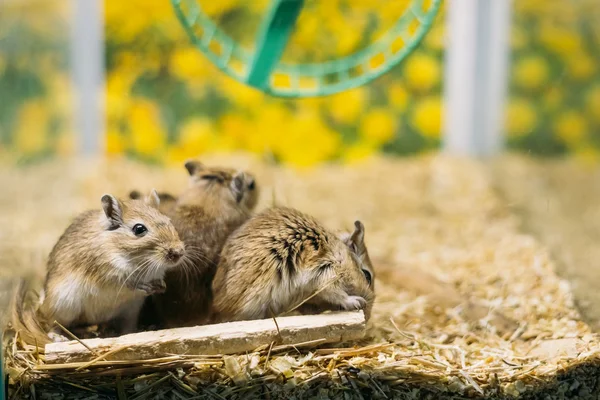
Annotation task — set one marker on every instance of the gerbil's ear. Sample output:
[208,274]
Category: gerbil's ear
[356,241]
[112,210]
[193,166]
[135,195]
[237,186]
[152,199]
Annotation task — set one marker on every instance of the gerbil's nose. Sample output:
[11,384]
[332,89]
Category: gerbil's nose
[175,254]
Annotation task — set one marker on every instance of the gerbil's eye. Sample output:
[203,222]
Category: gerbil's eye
[368,276]
[251,185]
[139,230]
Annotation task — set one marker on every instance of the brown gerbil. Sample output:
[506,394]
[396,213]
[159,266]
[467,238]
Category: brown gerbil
[105,264]
[167,201]
[281,257]
[216,202]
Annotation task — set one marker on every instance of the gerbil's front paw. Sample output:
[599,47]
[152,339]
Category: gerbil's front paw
[354,303]
[153,287]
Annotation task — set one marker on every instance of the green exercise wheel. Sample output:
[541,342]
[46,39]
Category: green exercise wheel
[263,69]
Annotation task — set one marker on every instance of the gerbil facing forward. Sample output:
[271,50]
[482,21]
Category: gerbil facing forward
[217,201]
[281,257]
[107,262]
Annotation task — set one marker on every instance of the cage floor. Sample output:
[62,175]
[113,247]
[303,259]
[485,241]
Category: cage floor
[558,201]
[467,304]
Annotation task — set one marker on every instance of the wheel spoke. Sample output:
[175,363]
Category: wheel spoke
[272,39]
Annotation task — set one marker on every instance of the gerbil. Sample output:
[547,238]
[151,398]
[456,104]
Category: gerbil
[167,201]
[281,257]
[106,263]
[216,202]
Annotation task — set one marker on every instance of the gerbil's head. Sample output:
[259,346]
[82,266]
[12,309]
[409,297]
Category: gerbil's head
[344,275]
[224,185]
[358,251]
[142,237]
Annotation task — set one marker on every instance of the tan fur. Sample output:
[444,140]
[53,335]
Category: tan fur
[217,201]
[100,271]
[281,257]
[167,201]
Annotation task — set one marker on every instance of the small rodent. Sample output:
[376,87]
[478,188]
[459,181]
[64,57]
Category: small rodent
[281,257]
[167,201]
[216,202]
[105,264]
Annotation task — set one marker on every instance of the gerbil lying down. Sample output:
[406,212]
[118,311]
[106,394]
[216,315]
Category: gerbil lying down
[103,266]
[281,257]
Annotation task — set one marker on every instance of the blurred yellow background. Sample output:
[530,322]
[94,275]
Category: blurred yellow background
[166,102]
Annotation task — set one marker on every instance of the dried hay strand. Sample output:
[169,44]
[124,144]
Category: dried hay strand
[467,305]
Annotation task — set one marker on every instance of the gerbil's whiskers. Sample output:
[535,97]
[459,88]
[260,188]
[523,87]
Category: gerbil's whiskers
[312,295]
[187,265]
[129,276]
[147,266]
[198,253]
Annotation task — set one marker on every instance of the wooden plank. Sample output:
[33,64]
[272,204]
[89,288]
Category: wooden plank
[226,338]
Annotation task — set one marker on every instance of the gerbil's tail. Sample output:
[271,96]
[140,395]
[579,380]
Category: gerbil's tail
[26,319]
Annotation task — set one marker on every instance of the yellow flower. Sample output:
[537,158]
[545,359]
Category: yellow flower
[520,118]
[217,8]
[531,72]
[258,6]
[436,37]
[176,155]
[118,88]
[234,128]
[345,107]
[377,126]
[398,96]
[189,63]
[553,98]
[571,127]
[518,38]
[348,40]
[560,40]
[272,122]
[306,32]
[581,66]
[359,151]
[422,71]
[307,141]
[592,102]
[239,93]
[31,133]
[147,134]
[61,93]
[427,117]
[115,143]
[126,20]
[197,136]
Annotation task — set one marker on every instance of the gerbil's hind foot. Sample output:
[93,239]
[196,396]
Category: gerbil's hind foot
[353,303]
